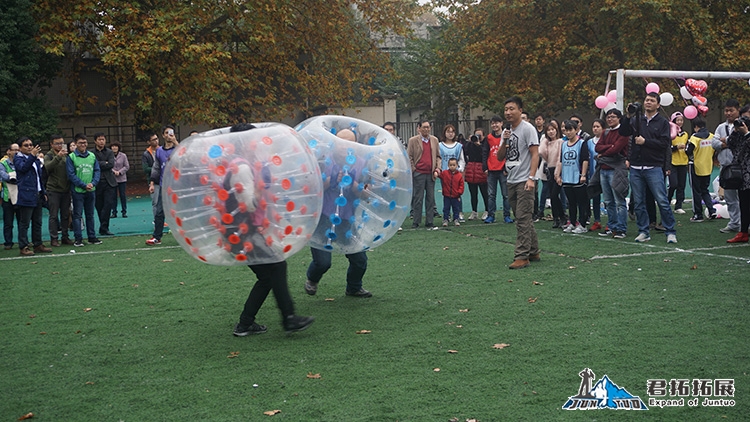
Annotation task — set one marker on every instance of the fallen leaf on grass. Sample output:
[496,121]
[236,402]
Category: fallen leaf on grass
[436,370]
[445,248]
[459,326]
[182,283]
[536,283]
[272,412]
[43,333]
[471,420]
[667,260]
[571,267]
[694,267]
[500,345]
[78,331]
[55,272]
[510,281]
[88,309]
[453,420]
[33,262]
[533,299]
[363,332]
[135,286]
[32,316]
[26,416]
[233,355]
[453,352]
[313,376]
[330,299]
[89,382]
[463,310]
[167,260]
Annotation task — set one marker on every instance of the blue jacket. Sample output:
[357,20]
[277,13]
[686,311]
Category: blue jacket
[29,179]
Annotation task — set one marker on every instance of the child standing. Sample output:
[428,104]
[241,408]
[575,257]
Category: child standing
[701,153]
[453,188]
[571,174]
[451,148]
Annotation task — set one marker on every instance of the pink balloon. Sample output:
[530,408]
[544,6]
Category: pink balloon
[690,112]
[612,96]
[652,87]
[601,101]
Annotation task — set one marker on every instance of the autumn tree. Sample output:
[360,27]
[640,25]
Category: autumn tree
[26,71]
[557,54]
[213,62]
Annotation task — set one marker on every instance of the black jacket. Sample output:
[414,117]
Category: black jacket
[106,159]
[653,152]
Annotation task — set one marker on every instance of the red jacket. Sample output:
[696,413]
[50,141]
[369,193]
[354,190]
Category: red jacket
[453,183]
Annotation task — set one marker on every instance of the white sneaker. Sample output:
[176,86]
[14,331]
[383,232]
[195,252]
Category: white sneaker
[473,215]
[580,229]
[728,229]
[484,216]
[445,223]
[461,216]
[671,238]
[643,237]
[456,223]
[679,211]
[568,228]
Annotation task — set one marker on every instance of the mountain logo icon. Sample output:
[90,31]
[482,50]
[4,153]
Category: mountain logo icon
[604,394]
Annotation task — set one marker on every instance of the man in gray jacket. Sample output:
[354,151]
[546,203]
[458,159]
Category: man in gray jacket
[722,132]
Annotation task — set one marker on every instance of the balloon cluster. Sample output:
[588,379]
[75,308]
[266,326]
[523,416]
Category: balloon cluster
[258,196]
[606,102]
[694,91]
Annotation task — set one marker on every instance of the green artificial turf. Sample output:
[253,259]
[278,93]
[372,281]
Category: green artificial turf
[157,340]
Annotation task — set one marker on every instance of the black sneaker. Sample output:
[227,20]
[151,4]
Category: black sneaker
[606,233]
[294,323]
[359,293]
[242,330]
[78,243]
[95,241]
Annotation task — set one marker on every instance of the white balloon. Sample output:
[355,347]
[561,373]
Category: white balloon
[666,98]
[609,106]
[685,93]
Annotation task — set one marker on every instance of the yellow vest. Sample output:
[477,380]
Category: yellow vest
[679,158]
[703,155]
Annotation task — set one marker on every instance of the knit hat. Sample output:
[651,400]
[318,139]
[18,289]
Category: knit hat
[675,115]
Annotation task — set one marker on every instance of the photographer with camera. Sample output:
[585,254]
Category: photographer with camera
[739,144]
[31,196]
[649,143]
[725,156]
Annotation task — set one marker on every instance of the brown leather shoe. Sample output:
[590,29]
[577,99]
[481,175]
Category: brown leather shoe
[42,249]
[535,258]
[54,243]
[519,263]
[27,252]
[66,241]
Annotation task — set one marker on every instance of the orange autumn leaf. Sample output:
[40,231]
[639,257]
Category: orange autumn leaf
[26,416]
[272,412]
[500,345]
[313,376]
[694,267]
[533,299]
[43,333]
[233,355]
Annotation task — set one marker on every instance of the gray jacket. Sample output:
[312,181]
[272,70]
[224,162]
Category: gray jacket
[725,154]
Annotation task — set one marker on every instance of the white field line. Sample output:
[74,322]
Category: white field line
[665,250]
[62,255]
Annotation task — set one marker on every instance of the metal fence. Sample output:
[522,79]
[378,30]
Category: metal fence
[406,130]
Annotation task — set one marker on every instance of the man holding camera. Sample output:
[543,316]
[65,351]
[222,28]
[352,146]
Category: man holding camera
[58,190]
[725,156]
[31,197]
[649,143]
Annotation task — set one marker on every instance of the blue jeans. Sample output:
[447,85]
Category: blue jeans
[158,209]
[493,178]
[451,203]
[321,262]
[83,203]
[652,179]
[617,210]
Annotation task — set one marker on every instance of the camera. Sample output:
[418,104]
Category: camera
[634,108]
[742,121]
[474,138]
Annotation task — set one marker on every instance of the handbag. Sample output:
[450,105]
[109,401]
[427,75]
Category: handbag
[730,176]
